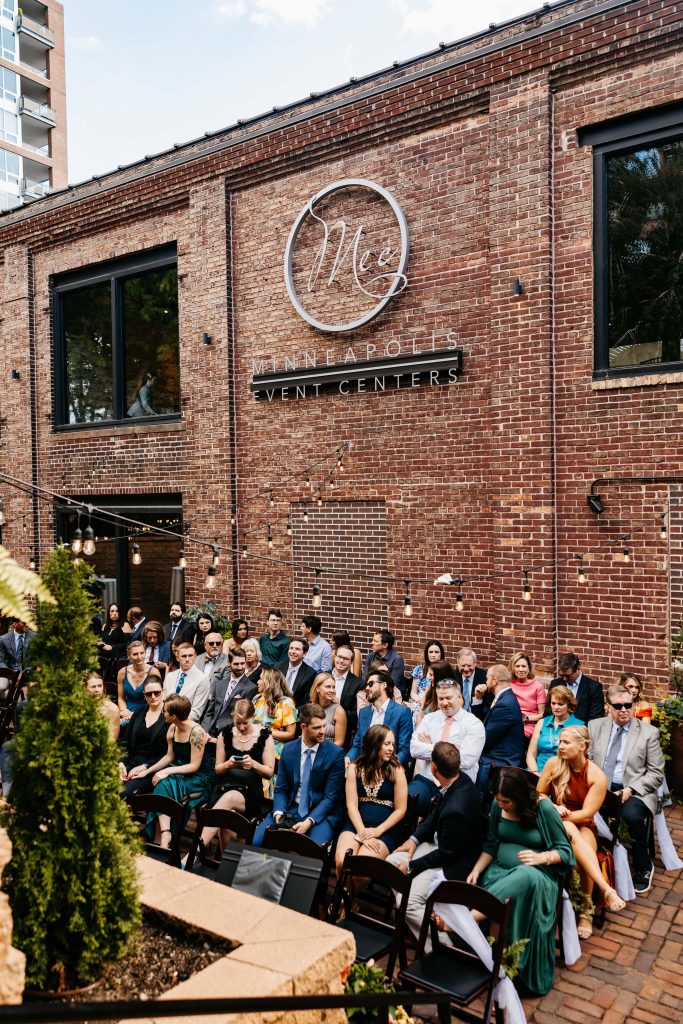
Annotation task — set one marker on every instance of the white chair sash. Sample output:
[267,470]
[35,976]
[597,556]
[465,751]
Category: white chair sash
[570,935]
[622,872]
[460,920]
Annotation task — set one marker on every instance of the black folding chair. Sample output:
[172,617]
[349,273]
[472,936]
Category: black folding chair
[10,701]
[217,817]
[375,936]
[286,840]
[142,804]
[455,971]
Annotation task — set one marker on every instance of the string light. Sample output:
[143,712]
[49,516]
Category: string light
[272,500]
[407,601]
[88,540]
[245,546]
[215,561]
[305,515]
[663,532]
[316,596]
[289,526]
[526,596]
[625,550]
[459,603]
[32,560]
[2,512]
[270,538]
[582,570]
[77,542]
[137,557]
[182,560]
[210,582]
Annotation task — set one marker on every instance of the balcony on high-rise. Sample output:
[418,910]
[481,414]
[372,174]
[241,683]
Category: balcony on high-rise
[41,112]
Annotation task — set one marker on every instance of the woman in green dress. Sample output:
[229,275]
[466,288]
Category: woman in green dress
[525,856]
[185,770]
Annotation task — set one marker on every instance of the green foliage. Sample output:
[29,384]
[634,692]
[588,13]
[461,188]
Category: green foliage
[223,625]
[581,903]
[366,978]
[669,713]
[15,584]
[72,879]
[512,956]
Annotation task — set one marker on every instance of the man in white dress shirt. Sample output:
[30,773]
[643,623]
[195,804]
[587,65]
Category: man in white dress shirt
[450,724]
[189,681]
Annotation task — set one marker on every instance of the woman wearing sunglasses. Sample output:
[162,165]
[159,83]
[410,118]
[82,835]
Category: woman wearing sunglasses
[145,741]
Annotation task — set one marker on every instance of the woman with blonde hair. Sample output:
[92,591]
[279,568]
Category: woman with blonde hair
[324,693]
[577,787]
[530,694]
[634,685]
[252,654]
[275,709]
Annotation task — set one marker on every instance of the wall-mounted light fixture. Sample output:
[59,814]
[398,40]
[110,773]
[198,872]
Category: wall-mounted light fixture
[206,338]
[517,288]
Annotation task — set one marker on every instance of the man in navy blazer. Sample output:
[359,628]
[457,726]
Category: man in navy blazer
[383,711]
[590,699]
[504,725]
[310,781]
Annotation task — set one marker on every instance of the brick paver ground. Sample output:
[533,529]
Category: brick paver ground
[631,970]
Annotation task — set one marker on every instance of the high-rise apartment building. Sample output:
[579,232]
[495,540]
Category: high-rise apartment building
[32,100]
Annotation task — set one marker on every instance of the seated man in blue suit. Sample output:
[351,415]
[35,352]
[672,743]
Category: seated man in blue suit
[382,710]
[310,781]
[505,743]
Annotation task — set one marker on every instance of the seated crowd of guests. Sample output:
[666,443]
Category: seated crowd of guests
[307,734]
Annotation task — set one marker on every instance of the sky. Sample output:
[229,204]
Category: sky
[142,75]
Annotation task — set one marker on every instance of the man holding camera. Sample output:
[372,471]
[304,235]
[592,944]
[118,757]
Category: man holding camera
[309,793]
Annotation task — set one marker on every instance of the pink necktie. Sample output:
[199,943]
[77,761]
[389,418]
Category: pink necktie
[446,729]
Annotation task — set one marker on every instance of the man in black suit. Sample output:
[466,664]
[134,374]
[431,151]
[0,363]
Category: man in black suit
[298,674]
[137,622]
[227,686]
[505,743]
[449,838]
[179,628]
[590,699]
[469,675]
[347,686]
[14,648]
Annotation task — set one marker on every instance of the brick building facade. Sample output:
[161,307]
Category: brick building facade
[487,147]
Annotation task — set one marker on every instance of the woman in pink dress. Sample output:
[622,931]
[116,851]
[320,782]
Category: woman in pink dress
[530,694]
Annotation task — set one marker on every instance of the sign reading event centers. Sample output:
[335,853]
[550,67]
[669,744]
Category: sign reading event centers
[345,260]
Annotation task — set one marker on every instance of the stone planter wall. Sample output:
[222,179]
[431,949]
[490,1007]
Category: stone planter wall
[12,962]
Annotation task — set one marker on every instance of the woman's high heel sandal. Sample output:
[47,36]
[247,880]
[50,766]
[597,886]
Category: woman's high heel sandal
[614,900]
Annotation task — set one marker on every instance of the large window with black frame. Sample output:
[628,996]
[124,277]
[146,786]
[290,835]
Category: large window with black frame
[116,341]
[638,242]
[145,581]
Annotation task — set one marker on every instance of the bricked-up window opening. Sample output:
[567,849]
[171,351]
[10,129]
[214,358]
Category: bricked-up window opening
[148,584]
[638,249]
[347,537]
[116,341]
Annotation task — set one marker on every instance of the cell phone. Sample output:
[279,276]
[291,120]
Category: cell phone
[239,757]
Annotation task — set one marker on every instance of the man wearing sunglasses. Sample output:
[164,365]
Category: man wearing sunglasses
[628,751]
[213,660]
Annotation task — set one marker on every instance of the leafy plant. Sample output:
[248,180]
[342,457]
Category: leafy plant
[512,956]
[581,903]
[15,584]
[366,978]
[72,880]
[669,713]
[223,625]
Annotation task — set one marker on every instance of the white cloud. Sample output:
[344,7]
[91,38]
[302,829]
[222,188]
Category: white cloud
[85,42]
[231,8]
[448,21]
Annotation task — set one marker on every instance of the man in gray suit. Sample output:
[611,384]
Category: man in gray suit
[214,660]
[628,751]
[14,648]
[228,685]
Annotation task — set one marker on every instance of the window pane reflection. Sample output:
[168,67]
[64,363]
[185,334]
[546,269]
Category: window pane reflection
[150,336]
[87,340]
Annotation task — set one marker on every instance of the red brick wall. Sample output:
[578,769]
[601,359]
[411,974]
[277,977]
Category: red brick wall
[485,478]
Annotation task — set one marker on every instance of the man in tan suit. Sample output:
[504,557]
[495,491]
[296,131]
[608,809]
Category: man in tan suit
[628,751]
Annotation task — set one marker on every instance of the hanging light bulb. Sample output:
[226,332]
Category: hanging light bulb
[182,560]
[309,481]
[459,603]
[32,560]
[625,550]
[216,555]
[272,500]
[316,597]
[77,542]
[245,546]
[663,532]
[582,571]
[320,497]
[232,519]
[289,527]
[210,582]
[2,513]
[270,538]
[526,596]
[88,541]
[407,602]
[305,515]
[137,557]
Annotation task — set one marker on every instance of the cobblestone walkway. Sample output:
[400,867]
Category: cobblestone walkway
[632,970]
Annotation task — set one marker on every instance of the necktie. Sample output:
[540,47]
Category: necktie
[467,692]
[20,650]
[304,798]
[445,732]
[612,755]
[151,658]
[174,630]
[181,680]
[291,675]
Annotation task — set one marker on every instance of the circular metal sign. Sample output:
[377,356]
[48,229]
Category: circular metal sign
[396,278]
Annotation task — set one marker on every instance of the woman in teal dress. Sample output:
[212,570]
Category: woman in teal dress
[525,856]
[186,767]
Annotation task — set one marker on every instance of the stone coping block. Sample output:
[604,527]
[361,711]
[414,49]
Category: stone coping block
[277,951]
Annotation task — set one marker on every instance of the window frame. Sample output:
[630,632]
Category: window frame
[114,271]
[620,135]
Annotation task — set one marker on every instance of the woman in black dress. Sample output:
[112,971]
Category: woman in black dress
[205,625]
[145,741]
[245,761]
[112,643]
